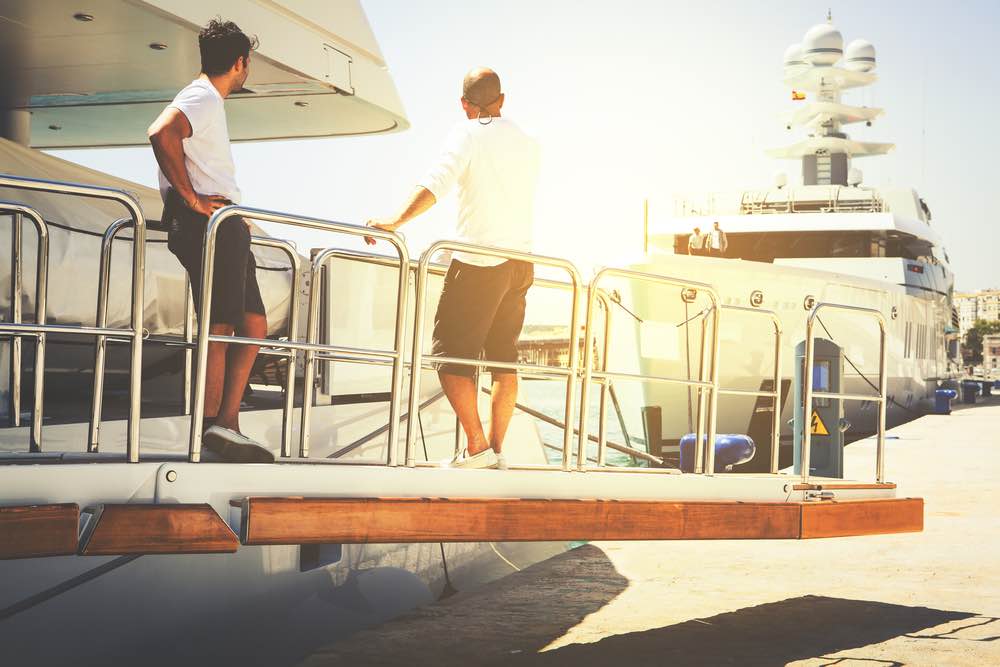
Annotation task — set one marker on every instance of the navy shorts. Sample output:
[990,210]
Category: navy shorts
[234,288]
[481,313]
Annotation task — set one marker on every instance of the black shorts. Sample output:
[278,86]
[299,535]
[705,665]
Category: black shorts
[234,288]
[481,312]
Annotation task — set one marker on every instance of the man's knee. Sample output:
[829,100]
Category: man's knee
[233,235]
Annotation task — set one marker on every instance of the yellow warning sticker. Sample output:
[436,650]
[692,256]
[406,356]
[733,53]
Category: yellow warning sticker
[818,427]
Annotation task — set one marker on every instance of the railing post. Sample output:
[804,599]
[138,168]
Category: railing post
[100,341]
[883,390]
[416,358]
[14,401]
[588,362]
[188,344]
[776,416]
[602,439]
[713,405]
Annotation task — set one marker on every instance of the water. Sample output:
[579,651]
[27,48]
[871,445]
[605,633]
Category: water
[548,397]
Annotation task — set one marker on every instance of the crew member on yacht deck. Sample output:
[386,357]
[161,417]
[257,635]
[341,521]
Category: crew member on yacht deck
[495,167]
[696,242]
[716,241]
[197,176]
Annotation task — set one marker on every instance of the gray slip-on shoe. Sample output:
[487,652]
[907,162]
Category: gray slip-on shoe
[233,447]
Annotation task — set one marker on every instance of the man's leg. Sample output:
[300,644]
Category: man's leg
[463,394]
[504,399]
[238,364]
[215,371]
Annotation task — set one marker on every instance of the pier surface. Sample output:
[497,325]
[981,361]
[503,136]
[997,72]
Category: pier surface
[930,598]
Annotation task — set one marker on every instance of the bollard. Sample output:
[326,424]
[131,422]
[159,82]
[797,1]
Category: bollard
[942,401]
[969,390]
[730,449]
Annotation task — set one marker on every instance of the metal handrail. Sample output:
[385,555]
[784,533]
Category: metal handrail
[205,337]
[808,394]
[41,294]
[703,384]
[138,281]
[418,336]
[396,357]
[775,393]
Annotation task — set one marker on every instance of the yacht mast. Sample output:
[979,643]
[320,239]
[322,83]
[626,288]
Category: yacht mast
[820,65]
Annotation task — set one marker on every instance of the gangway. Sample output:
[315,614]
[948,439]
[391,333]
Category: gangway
[156,504]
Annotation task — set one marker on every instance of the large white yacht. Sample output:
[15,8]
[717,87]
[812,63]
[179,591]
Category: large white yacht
[832,238]
[120,544]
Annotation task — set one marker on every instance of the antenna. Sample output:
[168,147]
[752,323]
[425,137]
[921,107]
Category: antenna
[829,16]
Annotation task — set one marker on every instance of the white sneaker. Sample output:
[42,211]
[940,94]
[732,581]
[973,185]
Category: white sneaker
[484,459]
[501,461]
[234,447]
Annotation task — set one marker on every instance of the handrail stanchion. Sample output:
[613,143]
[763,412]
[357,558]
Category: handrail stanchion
[293,322]
[100,342]
[205,337]
[417,356]
[602,435]
[709,366]
[41,297]
[14,403]
[808,393]
[775,393]
[188,344]
[699,420]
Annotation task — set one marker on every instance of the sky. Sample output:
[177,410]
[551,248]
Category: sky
[647,100]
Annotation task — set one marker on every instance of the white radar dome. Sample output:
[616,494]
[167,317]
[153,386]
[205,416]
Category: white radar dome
[793,56]
[860,55]
[823,45]
[854,177]
[780,179]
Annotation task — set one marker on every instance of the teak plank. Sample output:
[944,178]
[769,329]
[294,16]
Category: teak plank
[158,529]
[388,520]
[31,531]
[862,517]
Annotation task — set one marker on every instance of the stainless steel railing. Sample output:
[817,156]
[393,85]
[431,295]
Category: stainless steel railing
[775,392]
[309,348]
[134,332]
[808,393]
[417,358]
[707,382]
[41,292]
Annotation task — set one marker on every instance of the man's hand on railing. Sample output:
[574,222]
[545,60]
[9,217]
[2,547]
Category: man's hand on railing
[378,223]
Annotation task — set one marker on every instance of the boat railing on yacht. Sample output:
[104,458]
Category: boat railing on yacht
[40,328]
[303,504]
[809,393]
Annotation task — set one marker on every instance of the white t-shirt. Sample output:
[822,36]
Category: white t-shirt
[495,167]
[715,239]
[207,154]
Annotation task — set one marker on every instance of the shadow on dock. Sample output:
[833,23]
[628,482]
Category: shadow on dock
[511,620]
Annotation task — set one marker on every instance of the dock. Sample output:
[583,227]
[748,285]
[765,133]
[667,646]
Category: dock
[930,598]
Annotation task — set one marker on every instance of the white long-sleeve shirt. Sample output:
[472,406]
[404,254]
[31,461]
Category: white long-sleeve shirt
[495,167]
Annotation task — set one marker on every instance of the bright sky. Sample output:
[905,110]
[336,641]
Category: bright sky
[645,99]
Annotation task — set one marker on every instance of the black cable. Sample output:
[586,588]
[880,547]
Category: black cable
[862,375]
[448,589]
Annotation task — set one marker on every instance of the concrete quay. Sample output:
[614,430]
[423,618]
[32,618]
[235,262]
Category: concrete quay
[930,598]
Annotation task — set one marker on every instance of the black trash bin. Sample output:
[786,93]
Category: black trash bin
[987,386]
[969,390]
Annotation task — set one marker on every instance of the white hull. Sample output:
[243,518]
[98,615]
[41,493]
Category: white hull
[747,342]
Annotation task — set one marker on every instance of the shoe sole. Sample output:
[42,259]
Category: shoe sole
[231,452]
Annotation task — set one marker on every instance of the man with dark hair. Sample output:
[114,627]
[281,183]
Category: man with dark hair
[197,176]
[716,242]
[696,242]
[495,167]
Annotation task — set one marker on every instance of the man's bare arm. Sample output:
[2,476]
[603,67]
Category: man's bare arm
[421,200]
[166,135]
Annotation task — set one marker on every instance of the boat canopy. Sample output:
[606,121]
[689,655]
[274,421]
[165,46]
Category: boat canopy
[98,75]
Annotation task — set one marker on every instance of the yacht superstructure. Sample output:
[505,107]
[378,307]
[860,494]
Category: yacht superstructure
[832,238]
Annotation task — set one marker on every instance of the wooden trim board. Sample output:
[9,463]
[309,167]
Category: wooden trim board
[272,521]
[31,531]
[862,517]
[157,529]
